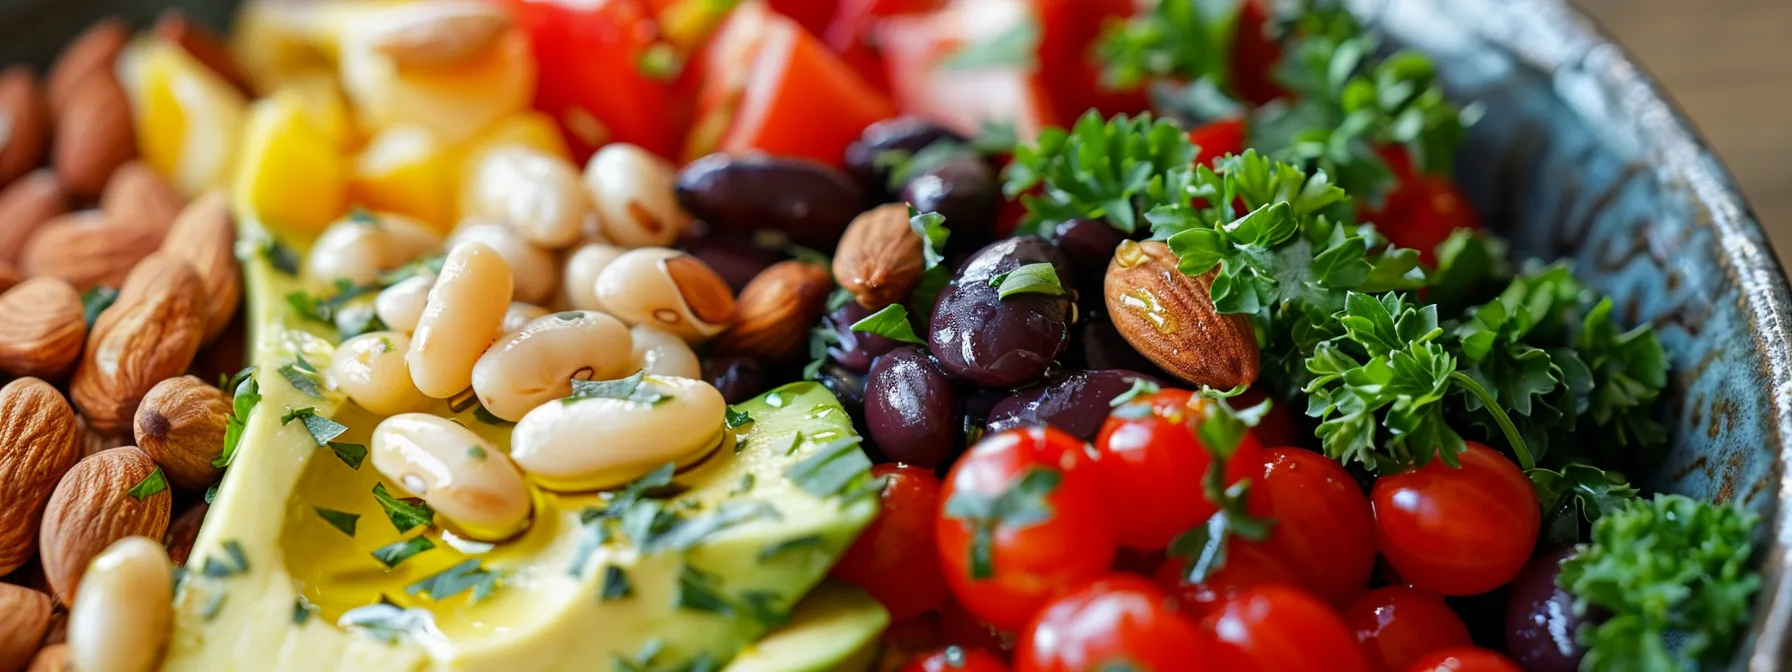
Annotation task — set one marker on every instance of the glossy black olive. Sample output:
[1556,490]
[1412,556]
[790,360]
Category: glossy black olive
[911,409]
[1100,346]
[854,350]
[994,342]
[847,386]
[965,191]
[1076,402]
[908,134]
[1089,243]
[810,202]
[737,378]
[1540,620]
[733,256]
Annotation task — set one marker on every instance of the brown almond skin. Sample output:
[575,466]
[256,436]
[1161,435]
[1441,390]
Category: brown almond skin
[10,275]
[25,110]
[183,531]
[879,258]
[87,249]
[25,206]
[92,508]
[24,619]
[93,441]
[776,310]
[181,425]
[41,328]
[53,658]
[93,134]
[94,50]
[137,196]
[1143,290]
[202,44]
[37,446]
[204,234]
[708,295]
[150,334]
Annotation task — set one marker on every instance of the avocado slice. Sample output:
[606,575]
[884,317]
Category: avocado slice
[275,584]
[834,629]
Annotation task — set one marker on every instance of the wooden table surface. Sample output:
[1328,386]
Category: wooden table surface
[1729,65]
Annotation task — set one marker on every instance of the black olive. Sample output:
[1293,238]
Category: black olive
[1540,618]
[905,134]
[808,201]
[911,408]
[984,339]
[1077,402]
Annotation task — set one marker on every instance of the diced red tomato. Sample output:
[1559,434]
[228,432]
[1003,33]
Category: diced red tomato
[1325,529]
[1217,139]
[1283,629]
[893,559]
[1457,530]
[591,80]
[918,49]
[813,15]
[1397,626]
[851,34]
[1072,77]
[1255,57]
[1122,621]
[1436,209]
[1248,564]
[1151,466]
[1465,659]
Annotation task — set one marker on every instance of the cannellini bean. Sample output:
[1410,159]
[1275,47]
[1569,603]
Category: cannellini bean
[579,279]
[667,289]
[533,268]
[371,369]
[599,442]
[400,305]
[356,248]
[462,476]
[537,195]
[519,315]
[537,364]
[662,353]
[123,613]
[462,317]
[408,238]
[631,190]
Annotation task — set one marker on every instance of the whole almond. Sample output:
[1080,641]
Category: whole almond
[438,34]
[202,44]
[879,258]
[41,328]
[137,196]
[24,123]
[24,618]
[94,50]
[1170,319]
[87,249]
[53,658]
[93,134]
[10,275]
[91,508]
[26,205]
[94,441]
[205,235]
[181,425]
[776,310]
[183,531]
[707,294]
[37,446]
[148,335]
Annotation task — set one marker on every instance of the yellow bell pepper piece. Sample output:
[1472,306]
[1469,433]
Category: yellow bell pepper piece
[291,174]
[407,169]
[187,118]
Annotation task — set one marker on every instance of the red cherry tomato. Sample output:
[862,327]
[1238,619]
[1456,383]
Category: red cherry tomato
[1432,208]
[1324,530]
[1047,537]
[1255,56]
[1397,626]
[893,559]
[1457,531]
[1151,466]
[1465,659]
[1248,564]
[956,659]
[1121,618]
[1396,202]
[589,77]
[1281,629]
[918,50]
[1217,139]
[1068,30]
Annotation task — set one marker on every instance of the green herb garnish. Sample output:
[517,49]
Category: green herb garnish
[616,585]
[233,563]
[1114,170]
[1039,278]
[95,301]
[1204,547]
[303,377]
[153,484]
[247,393]
[404,514]
[891,322]
[632,388]
[351,454]
[463,576]
[782,546]
[734,419]
[322,429]
[1014,47]
[341,520]
[830,469]
[395,553]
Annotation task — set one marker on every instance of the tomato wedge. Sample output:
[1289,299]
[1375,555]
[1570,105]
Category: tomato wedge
[932,73]
[592,78]
[1069,31]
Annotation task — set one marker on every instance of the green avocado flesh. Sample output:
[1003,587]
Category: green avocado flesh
[834,629]
[271,579]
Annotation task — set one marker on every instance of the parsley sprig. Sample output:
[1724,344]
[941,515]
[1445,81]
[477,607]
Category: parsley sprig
[1113,170]
[1178,40]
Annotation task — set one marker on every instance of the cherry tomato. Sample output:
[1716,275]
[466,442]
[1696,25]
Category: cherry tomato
[1217,139]
[918,51]
[1068,30]
[1247,564]
[1281,629]
[589,76]
[1397,626]
[1435,209]
[1119,619]
[1151,465]
[1324,530]
[893,559]
[1277,428]
[1050,532]
[1457,531]
[1395,203]
[1255,56]
[1464,659]
[957,659]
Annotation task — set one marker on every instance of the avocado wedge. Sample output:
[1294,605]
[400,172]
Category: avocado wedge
[285,576]
[834,629]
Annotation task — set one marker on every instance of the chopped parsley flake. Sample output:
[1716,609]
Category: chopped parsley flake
[616,584]
[404,514]
[322,429]
[697,591]
[780,547]
[153,484]
[736,419]
[463,576]
[351,454]
[830,469]
[304,377]
[341,520]
[631,388]
[233,563]
[391,555]
[95,301]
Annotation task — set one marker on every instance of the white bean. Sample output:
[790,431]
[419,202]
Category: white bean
[462,476]
[401,305]
[668,289]
[662,353]
[601,442]
[537,195]
[631,190]
[534,268]
[537,364]
[519,315]
[461,319]
[123,613]
[371,369]
[579,279]
[356,248]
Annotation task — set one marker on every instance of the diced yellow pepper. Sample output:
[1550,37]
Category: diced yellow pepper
[454,102]
[290,175]
[270,43]
[407,169]
[531,128]
[187,118]
[315,92]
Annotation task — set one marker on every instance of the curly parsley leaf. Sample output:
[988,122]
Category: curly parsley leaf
[1629,370]
[1180,40]
[1112,170]
[1594,492]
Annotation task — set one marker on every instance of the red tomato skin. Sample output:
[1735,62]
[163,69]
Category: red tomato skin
[1281,629]
[968,660]
[1151,469]
[587,72]
[915,45]
[1248,564]
[1457,531]
[1070,73]
[959,627]
[1397,201]
[849,34]
[1030,564]
[1255,57]
[1325,528]
[893,559]
[1464,659]
[1120,617]
[1435,209]
[1217,139]
[813,15]
[1397,626]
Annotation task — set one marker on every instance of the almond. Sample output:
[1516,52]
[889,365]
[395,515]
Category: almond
[437,34]
[776,310]
[205,235]
[879,258]
[87,249]
[183,531]
[181,425]
[202,44]
[148,335]
[37,446]
[10,275]
[41,328]
[24,123]
[93,441]
[93,134]
[1170,319]
[707,295]
[137,196]
[91,508]
[94,50]
[53,658]
[24,619]
[25,206]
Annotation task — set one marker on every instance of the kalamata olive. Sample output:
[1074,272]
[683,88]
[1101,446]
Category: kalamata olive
[1076,402]
[995,342]
[907,134]
[810,202]
[910,408]
[848,386]
[1100,346]
[738,378]
[855,349]
[1540,618]
[1089,243]
[977,402]
[733,256]
[963,189]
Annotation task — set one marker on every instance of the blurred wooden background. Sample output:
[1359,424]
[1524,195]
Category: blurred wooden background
[1729,65]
